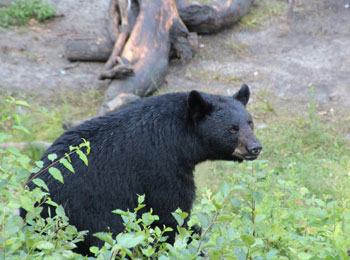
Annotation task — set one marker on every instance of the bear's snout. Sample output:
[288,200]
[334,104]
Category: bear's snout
[254,148]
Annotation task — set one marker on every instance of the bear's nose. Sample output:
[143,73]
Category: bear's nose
[255,149]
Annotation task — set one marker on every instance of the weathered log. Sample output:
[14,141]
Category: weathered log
[158,26]
[214,16]
[88,49]
[100,49]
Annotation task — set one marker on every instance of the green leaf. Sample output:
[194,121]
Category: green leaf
[82,157]
[238,187]
[27,203]
[141,199]
[44,245]
[303,256]
[182,214]
[129,240]
[40,183]
[260,217]
[149,251]
[52,203]
[148,218]
[248,239]
[21,128]
[204,219]
[94,249]
[56,173]
[104,236]
[14,151]
[236,203]
[120,212]
[39,164]
[71,230]
[60,211]
[225,189]
[24,161]
[224,217]
[22,103]
[178,218]
[67,164]
[217,205]
[52,157]
[271,254]
[258,196]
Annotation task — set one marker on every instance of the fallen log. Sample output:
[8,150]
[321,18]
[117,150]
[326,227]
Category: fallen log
[214,16]
[100,49]
[88,49]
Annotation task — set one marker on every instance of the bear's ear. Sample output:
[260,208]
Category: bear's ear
[243,94]
[197,105]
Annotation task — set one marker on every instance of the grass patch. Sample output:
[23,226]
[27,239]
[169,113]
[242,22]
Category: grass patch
[45,122]
[20,12]
[262,12]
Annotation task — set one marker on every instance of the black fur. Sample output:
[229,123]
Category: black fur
[148,147]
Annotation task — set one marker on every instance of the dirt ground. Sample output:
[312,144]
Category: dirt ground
[286,50]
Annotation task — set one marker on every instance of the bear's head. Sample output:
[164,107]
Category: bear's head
[223,125]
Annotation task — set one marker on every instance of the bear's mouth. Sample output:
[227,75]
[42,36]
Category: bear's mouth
[242,157]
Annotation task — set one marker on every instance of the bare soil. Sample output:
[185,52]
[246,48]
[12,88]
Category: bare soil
[288,50]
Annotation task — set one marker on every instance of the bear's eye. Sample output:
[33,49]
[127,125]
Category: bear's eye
[234,129]
[251,125]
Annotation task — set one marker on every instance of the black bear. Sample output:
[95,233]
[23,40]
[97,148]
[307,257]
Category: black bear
[151,147]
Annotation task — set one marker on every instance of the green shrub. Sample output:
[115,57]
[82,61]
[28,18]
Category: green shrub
[20,12]
[32,237]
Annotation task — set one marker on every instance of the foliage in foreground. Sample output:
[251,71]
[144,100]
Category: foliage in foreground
[256,214]
[20,12]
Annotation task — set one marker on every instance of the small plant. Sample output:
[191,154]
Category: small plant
[32,237]
[21,11]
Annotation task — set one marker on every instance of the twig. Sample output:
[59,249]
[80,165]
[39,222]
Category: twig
[208,229]
[49,166]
